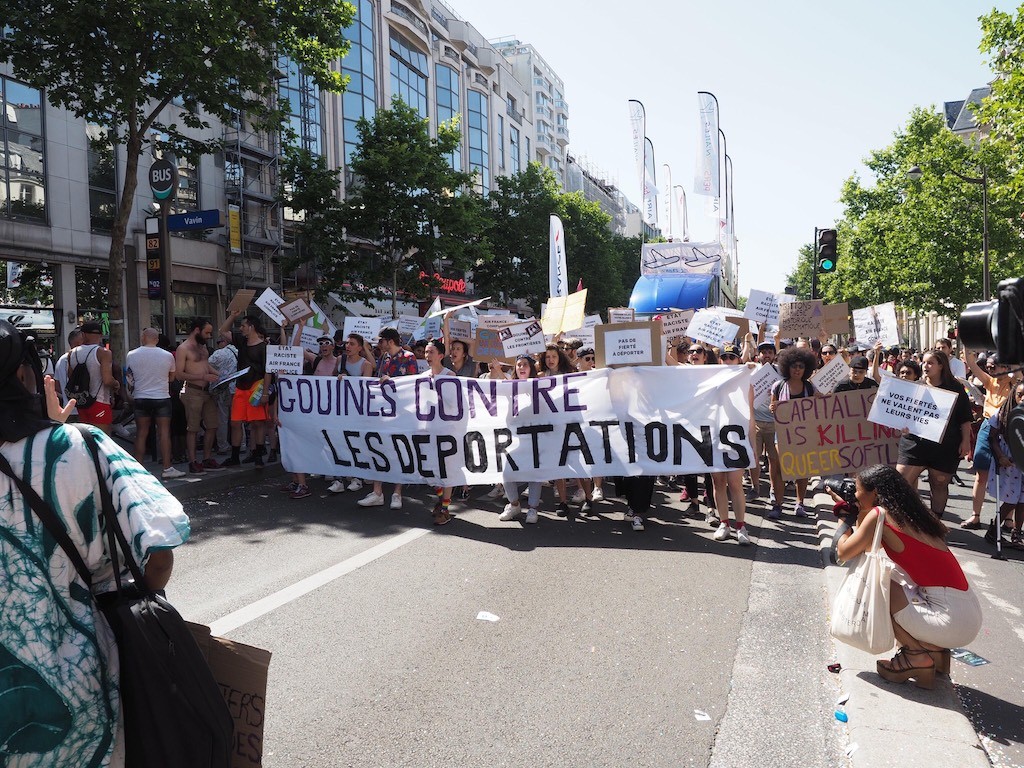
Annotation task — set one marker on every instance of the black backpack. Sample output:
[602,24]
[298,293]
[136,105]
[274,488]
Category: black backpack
[79,384]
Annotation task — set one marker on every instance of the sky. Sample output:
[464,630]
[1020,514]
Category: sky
[806,90]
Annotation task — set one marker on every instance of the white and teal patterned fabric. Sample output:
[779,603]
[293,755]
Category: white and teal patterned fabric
[58,664]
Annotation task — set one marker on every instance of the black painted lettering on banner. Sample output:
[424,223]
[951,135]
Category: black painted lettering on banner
[533,431]
[476,452]
[738,457]
[606,442]
[403,450]
[353,451]
[575,431]
[418,443]
[337,459]
[380,460]
[703,446]
[447,446]
[502,441]
[656,435]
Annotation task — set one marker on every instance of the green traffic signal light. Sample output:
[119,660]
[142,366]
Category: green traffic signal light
[826,250]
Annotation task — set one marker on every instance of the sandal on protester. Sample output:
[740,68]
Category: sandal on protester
[900,668]
[941,660]
[972,523]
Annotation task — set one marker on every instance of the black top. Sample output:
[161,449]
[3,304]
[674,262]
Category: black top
[941,456]
[849,386]
[253,357]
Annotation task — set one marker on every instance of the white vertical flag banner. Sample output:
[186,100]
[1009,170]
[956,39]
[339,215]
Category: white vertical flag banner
[650,185]
[638,126]
[679,214]
[666,201]
[558,281]
[706,180]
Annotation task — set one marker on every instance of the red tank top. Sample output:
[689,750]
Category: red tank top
[926,565]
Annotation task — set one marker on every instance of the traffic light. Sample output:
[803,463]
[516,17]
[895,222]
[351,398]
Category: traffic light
[826,250]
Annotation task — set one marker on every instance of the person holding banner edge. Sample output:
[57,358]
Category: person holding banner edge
[434,354]
[524,369]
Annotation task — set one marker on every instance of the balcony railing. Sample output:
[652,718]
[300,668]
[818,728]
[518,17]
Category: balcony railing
[513,114]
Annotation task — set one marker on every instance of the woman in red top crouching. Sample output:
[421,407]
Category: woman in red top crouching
[932,606]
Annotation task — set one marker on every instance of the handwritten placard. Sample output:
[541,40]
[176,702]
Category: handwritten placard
[763,306]
[284,359]
[621,315]
[835,318]
[828,376]
[711,327]
[564,313]
[800,318]
[271,303]
[923,410]
[620,344]
[876,323]
[762,381]
[522,338]
[830,436]
[367,327]
[296,311]
[488,345]
[242,300]
[675,324]
[496,322]
[460,330]
[407,325]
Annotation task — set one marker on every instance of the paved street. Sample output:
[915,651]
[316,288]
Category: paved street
[661,648]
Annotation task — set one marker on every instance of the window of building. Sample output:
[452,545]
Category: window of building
[529,157]
[479,147]
[300,95]
[102,178]
[409,74]
[360,97]
[446,82]
[501,142]
[22,153]
[513,149]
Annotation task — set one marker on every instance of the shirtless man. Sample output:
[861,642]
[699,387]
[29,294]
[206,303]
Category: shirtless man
[192,366]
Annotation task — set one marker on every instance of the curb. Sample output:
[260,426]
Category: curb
[892,724]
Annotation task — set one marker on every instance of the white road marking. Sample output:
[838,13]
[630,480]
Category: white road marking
[284,596]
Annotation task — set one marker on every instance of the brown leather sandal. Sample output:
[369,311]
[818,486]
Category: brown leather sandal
[900,668]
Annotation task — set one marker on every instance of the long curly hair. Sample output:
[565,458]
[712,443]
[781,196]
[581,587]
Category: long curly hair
[902,503]
[791,355]
[1007,407]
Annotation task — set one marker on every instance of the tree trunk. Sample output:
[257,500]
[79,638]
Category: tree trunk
[116,265]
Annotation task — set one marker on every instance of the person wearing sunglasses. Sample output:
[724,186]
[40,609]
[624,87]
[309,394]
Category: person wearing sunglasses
[695,354]
[796,364]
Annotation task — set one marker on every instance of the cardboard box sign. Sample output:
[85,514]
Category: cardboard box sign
[241,672]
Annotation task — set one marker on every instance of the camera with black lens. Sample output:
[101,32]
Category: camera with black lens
[844,488]
[997,324]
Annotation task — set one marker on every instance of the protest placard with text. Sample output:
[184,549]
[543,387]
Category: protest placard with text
[832,435]
[496,322]
[924,410]
[712,328]
[619,344]
[296,310]
[488,345]
[828,376]
[876,323]
[271,303]
[524,338]
[800,318]
[367,327]
[564,313]
[242,299]
[762,381]
[284,359]
[621,315]
[763,306]
[674,325]
[407,325]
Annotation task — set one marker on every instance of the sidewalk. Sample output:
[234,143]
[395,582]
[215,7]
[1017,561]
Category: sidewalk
[892,724]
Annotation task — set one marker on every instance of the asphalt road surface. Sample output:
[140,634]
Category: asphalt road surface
[611,647]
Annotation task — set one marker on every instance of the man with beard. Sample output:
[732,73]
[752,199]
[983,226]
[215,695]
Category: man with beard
[192,364]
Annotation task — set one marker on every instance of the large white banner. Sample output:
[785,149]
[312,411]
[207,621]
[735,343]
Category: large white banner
[558,280]
[456,431]
[681,259]
[705,180]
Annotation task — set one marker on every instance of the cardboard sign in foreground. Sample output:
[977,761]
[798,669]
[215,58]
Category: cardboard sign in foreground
[623,344]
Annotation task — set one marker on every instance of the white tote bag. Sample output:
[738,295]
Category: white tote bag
[860,611]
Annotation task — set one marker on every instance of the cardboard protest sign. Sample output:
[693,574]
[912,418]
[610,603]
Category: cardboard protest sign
[407,325]
[800,318]
[296,311]
[460,330]
[621,315]
[619,344]
[832,435]
[827,377]
[522,338]
[488,345]
[763,307]
[762,381]
[496,321]
[924,410]
[242,300]
[675,324]
[876,323]
[271,303]
[284,359]
[712,328]
[367,327]
[564,313]
[835,318]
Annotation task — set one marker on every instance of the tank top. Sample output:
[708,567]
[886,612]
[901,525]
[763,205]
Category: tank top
[926,565]
[89,355]
[354,369]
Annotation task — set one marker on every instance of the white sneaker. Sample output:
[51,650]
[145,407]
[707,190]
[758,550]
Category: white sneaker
[579,497]
[396,501]
[597,495]
[711,518]
[509,513]
[372,500]
[742,537]
[171,473]
[355,485]
[496,492]
[723,532]
[531,516]
[638,523]
[338,486]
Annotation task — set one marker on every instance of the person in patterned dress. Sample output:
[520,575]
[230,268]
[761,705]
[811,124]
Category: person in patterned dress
[59,703]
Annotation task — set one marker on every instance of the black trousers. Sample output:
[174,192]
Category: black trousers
[690,482]
[638,492]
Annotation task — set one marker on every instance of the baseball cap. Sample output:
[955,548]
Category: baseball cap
[584,351]
[731,349]
[92,327]
[859,362]
[324,339]
[766,345]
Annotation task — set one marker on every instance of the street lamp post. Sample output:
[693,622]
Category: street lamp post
[916,173]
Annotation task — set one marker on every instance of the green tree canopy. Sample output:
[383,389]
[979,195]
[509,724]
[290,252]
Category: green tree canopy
[144,66]
[1003,111]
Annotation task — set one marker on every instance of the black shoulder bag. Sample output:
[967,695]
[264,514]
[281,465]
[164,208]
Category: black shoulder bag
[174,712]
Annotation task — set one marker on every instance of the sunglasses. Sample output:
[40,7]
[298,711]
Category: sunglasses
[730,356]
[797,365]
[828,352]
[588,358]
[697,351]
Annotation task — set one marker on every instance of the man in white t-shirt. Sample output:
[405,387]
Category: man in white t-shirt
[148,369]
[956,366]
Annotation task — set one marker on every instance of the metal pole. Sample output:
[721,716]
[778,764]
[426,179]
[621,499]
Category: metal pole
[814,266]
[986,287]
[165,272]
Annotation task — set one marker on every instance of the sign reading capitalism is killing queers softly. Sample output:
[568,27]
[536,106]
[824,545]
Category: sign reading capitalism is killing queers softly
[455,431]
[831,435]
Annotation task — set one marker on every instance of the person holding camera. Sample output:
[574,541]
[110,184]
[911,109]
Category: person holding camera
[931,603]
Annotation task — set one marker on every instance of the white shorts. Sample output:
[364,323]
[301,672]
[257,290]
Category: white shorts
[942,616]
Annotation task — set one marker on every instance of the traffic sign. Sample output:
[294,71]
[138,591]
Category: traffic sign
[194,220]
[163,179]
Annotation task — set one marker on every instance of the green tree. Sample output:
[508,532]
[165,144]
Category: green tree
[1003,111]
[919,243]
[627,250]
[517,223]
[408,209]
[590,254]
[150,66]
[800,276]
